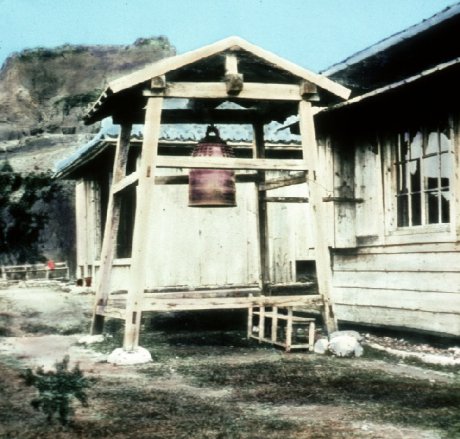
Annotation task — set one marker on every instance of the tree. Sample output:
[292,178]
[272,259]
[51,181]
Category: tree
[23,214]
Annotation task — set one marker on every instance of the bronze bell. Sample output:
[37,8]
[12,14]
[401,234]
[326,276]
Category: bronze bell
[212,187]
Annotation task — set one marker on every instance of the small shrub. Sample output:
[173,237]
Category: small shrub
[56,389]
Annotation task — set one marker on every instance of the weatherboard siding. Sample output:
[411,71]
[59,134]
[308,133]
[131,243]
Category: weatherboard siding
[415,286]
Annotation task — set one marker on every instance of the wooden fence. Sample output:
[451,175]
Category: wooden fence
[34,271]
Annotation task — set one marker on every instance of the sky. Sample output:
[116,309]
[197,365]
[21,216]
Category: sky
[312,33]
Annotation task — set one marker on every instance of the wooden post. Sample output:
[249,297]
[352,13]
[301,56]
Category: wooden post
[323,258]
[289,329]
[111,229]
[261,323]
[142,223]
[274,323]
[250,319]
[262,216]
[311,336]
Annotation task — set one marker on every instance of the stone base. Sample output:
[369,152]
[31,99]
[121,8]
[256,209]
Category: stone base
[120,357]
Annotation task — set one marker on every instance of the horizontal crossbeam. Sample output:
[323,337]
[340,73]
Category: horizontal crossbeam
[218,90]
[231,163]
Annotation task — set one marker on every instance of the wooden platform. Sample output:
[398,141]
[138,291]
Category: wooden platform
[190,300]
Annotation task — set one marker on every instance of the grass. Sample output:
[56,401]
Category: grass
[330,381]
[175,397]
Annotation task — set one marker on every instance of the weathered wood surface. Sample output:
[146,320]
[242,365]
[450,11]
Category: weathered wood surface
[140,251]
[399,318]
[436,302]
[344,197]
[262,214]
[125,182]
[163,66]
[111,227]
[220,90]
[402,262]
[368,187]
[228,303]
[230,163]
[418,283]
[448,282]
[320,220]
[187,304]
[275,183]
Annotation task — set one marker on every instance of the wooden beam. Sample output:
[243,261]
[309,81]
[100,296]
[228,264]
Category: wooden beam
[231,163]
[323,258]
[125,182]
[228,302]
[206,294]
[283,182]
[262,214]
[111,228]
[218,90]
[286,199]
[140,250]
[183,179]
[343,200]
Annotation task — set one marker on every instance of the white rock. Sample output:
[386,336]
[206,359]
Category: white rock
[90,339]
[356,335]
[128,358]
[345,346]
[321,346]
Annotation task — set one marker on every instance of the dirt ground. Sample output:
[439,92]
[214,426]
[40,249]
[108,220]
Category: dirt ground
[207,381]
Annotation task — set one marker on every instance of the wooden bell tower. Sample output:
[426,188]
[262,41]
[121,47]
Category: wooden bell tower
[267,87]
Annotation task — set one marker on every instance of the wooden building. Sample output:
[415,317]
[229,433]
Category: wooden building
[161,254]
[396,148]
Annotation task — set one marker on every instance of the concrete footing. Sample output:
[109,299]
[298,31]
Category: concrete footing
[121,357]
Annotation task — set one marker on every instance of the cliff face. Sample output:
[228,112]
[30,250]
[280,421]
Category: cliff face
[48,90]
[43,96]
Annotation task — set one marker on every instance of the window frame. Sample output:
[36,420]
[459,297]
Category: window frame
[424,232]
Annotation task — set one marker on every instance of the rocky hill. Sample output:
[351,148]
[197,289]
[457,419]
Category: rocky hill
[44,93]
[43,96]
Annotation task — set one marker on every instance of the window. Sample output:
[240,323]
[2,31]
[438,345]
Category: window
[423,164]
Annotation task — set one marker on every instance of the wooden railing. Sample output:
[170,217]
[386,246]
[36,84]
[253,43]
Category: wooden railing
[34,271]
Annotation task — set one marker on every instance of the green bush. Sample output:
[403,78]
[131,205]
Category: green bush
[56,390]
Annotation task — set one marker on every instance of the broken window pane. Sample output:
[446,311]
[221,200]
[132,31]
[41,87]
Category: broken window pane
[444,139]
[432,146]
[414,168]
[416,146]
[446,169]
[431,171]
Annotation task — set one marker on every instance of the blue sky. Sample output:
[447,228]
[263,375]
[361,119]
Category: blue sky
[312,33]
